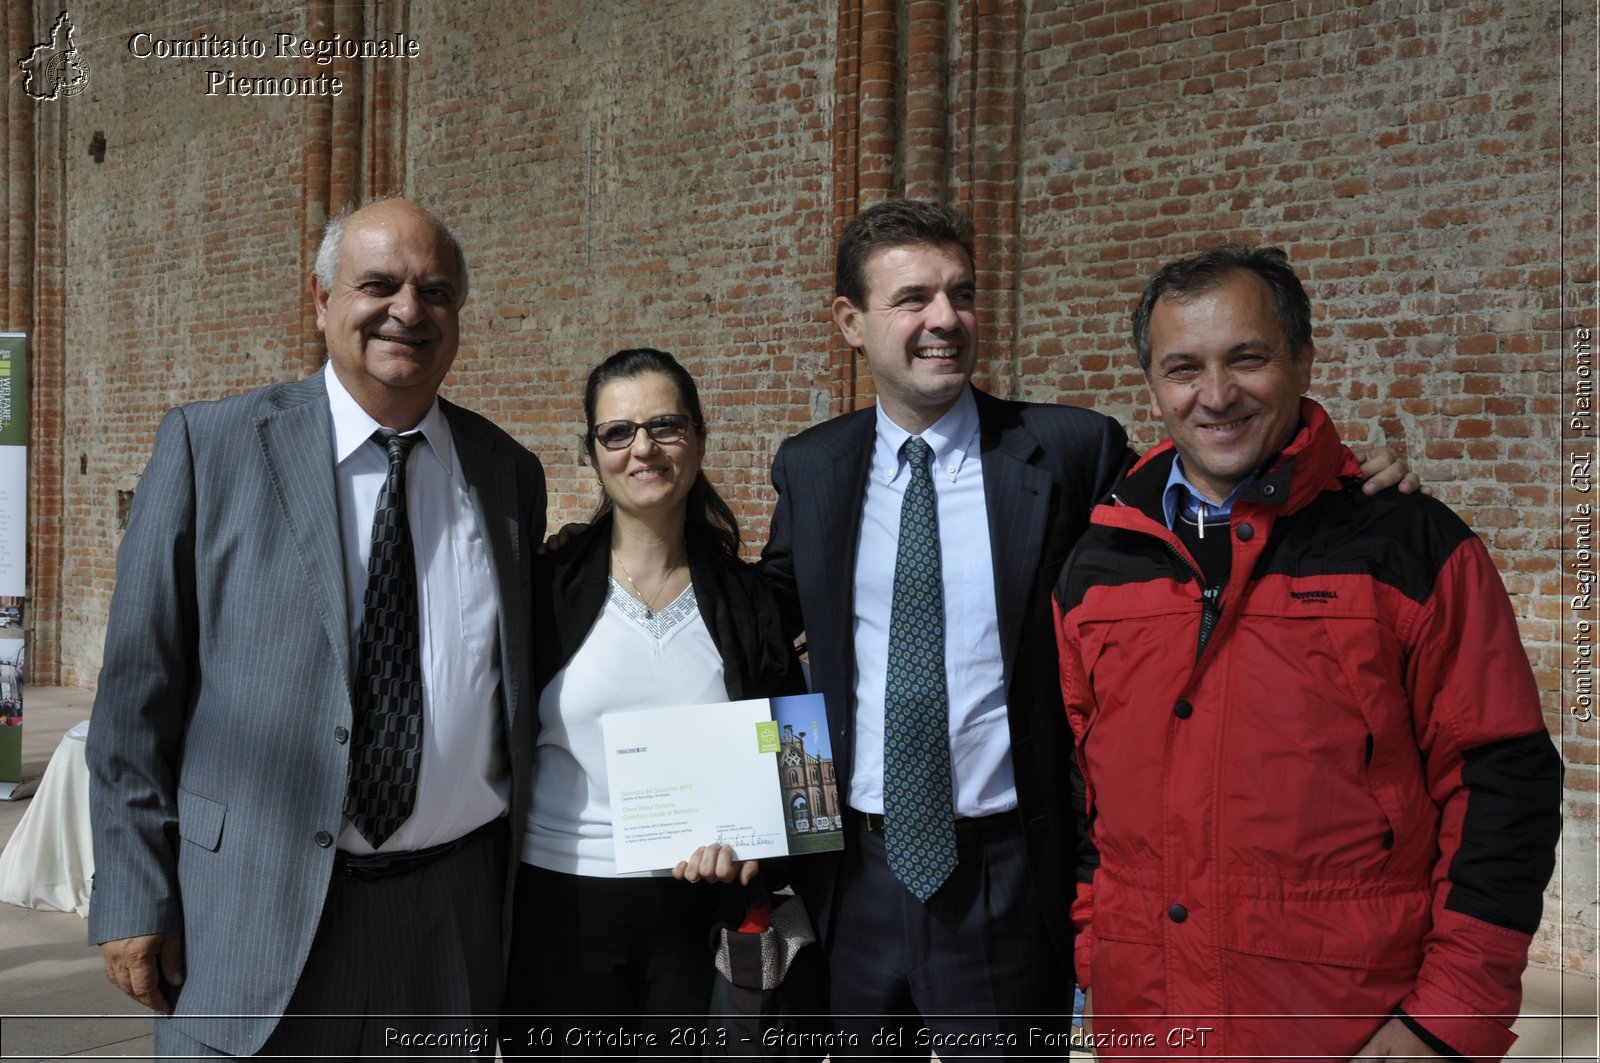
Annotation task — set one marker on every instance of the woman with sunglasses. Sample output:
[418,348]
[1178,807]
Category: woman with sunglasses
[650,606]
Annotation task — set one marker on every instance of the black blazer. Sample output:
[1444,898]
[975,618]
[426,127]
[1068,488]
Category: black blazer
[738,606]
[1044,468]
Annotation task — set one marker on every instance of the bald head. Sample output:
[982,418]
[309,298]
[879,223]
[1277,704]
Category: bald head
[327,264]
[389,307]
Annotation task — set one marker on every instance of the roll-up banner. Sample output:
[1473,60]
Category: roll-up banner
[13,551]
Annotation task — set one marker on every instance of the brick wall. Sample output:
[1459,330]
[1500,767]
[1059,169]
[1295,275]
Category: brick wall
[1408,156]
[675,174]
[181,275]
[636,175]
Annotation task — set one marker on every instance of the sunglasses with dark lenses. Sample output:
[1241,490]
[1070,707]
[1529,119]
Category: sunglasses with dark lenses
[619,435]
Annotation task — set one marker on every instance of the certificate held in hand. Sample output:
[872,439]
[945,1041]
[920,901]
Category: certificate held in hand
[756,776]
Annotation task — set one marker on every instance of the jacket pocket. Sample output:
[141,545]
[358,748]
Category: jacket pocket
[1373,923]
[200,819]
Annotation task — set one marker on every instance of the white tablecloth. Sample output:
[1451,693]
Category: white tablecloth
[49,860]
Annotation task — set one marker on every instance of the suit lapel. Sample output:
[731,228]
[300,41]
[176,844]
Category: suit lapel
[492,485]
[1016,493]
[838,491]
[841,492]
[296,439]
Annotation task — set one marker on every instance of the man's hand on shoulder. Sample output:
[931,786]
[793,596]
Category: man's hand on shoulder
[1382,468]
[139,966]
[1394,1040]
[560,538]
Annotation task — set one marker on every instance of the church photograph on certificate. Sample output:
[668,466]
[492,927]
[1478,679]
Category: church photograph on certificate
[812,815]
[746,774]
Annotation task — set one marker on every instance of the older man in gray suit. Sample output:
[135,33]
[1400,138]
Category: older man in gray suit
[317,656]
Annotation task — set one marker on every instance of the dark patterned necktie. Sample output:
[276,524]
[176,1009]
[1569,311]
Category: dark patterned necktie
[919,832]
[387,744]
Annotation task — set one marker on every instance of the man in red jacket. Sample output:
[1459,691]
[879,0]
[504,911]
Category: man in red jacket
[1321,799]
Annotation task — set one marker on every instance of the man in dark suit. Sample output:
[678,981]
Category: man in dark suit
[316,656]
[979,953]
[917,544]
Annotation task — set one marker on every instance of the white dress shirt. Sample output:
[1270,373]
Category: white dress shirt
[981,776]
[465,777]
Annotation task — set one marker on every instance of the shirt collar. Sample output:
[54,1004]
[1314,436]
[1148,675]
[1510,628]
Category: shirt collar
[353,426]
[1182,496]
[953,438]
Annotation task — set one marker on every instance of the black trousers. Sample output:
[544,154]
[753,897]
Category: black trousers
[608,966]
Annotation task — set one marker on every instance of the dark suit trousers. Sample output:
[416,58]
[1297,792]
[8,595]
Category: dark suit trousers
[410,965]
[966,974]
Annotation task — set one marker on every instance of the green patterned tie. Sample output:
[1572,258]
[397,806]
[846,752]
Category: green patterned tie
[919,831]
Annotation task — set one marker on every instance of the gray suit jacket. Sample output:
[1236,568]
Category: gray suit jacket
[217,779]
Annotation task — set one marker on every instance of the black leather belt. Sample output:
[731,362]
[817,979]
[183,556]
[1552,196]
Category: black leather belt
[372,866]
[971,831]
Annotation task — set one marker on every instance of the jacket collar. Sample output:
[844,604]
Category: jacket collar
[1294,476]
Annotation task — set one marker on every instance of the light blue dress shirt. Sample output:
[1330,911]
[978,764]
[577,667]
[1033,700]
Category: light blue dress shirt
[982,779]
[1182,496]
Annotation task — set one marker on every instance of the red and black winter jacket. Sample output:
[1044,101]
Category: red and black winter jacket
[1339,804]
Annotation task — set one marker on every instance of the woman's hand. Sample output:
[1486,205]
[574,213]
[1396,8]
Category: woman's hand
[716,863]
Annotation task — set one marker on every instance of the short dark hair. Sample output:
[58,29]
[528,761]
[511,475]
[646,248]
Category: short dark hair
[895,223]
[1201,273]
[708,516]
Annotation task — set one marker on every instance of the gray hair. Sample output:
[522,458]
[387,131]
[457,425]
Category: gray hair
[327,264]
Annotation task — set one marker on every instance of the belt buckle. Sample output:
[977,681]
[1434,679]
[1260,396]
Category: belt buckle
[367,872]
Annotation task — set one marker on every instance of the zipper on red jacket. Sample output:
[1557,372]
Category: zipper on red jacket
[1210,613]
[1210,604]
[1210,597]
